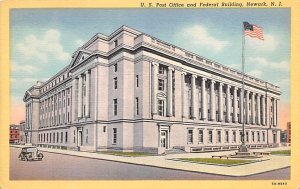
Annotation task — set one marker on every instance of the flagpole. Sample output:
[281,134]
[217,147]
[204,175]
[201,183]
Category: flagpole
[243,147]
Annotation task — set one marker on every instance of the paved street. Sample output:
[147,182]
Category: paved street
[65,167]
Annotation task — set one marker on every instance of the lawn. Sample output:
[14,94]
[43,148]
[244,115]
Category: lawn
[217,161]
[128,154]
[282,152]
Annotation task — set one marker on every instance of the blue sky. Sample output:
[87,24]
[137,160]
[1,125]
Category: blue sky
[43,40]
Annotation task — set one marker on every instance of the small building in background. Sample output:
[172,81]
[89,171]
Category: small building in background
[288,132]
[14,134]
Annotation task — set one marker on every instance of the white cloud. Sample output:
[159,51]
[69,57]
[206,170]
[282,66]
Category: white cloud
[79,43]
[198,35]
[263,62]
[269,43]
[255,73]
[23,68]
[43,47]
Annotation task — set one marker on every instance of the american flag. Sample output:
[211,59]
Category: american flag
[253,31]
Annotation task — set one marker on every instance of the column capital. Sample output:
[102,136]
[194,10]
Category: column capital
[204,78]
[212,81]
[87,71]
[221,84]
[235,88]
[183,73]
[155,64]
[171,68]
[195,76]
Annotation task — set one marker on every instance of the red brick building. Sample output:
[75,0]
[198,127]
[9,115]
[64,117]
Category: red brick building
[288,132]
[14,132]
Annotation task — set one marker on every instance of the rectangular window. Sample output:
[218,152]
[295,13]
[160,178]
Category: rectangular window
[114,135]
[116,67]
[219,137]
[234,136]
[116,83]
[227,136]
[137,80]
[210,136]
[137,105]
[66,137]
[190,136]
[253,136]
[247,136]
[116,43]
[104,129]
[161,108]
[263,135]
[115,107]
[161,69]
[258,136]
[161,85]
[200,136]
[241,136]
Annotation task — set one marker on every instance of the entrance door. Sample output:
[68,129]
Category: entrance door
[79,137]
[164,139]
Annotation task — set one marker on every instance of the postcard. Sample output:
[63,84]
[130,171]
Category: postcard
[151,94]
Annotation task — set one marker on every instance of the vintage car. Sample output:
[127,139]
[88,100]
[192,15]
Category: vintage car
[30,153]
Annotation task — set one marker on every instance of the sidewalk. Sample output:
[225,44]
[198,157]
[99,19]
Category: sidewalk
[272,162]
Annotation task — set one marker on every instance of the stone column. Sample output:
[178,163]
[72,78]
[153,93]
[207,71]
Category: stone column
[204,99]
[221,102]
[275,112]
[80,97]
[154,87]
[212,100]
[183,74]
[263,104]
[253,108]
[268,111]
[170,93]
[228,104]
[247,121]
[235,120]
[74,97]
[194,104]
[87,94]
[242,106]
[258,109]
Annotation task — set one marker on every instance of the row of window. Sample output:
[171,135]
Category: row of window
[260,136]
[55,137]
[115,106]
[116,81]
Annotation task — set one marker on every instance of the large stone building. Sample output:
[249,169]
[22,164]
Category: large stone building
[131,91]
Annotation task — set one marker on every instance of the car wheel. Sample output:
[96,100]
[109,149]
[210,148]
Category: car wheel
[40,156]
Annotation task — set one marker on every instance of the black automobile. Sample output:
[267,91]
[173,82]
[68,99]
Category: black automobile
[30,153]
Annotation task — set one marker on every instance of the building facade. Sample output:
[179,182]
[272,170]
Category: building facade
[14,134]
[133,92]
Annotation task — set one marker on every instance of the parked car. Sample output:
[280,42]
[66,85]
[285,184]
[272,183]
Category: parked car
[30,153]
